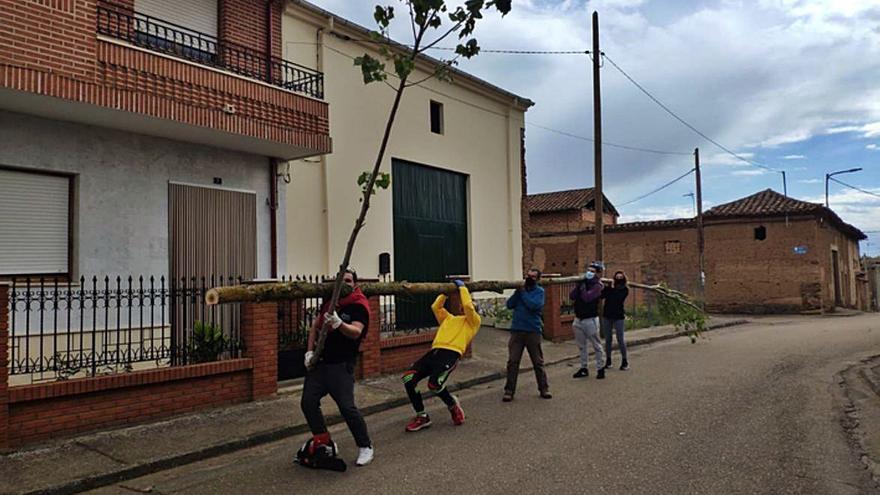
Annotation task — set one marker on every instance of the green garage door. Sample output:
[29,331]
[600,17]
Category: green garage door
[430,233]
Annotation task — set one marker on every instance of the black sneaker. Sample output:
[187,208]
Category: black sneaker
[624,366]
[581,373]
[608,365]
[601,374]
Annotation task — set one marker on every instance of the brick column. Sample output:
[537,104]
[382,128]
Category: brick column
[259,330]
[4,366]
[371,352]
[552,303]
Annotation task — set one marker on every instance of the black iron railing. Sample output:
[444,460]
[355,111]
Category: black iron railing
[159,35]
[99,325]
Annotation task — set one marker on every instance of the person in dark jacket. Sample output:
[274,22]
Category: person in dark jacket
[586,324]
[526,332]
[613,317]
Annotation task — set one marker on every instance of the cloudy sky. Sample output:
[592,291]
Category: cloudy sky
[793,85]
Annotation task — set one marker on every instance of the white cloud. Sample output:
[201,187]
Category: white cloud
[866,130]
[871,147]
[660,213]
[857,208]
[810,181]
[750,172]
[793,157]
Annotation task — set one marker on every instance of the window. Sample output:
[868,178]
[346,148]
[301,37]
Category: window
[35,223]
[673,247]
[760,233]
[436,117]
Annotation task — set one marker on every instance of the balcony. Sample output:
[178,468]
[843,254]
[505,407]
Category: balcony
[123,23]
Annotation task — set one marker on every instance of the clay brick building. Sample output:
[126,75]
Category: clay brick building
[566,211]
[764,253]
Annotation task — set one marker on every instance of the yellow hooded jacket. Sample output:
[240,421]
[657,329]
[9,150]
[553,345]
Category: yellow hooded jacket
[455,332]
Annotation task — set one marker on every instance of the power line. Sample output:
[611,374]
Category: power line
[689,126]
[606,143]
[519,52]
[854,187]
[655,191]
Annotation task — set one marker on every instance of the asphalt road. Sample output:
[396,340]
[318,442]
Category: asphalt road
[750,409]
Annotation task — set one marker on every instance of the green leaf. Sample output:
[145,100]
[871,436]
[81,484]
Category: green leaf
[403,65]
[468,49]
[371,69]
[383,16]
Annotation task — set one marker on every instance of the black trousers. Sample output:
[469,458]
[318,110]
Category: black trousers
[435,365]
[337,380]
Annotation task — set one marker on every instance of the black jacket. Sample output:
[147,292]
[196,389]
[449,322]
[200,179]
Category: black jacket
[614,301]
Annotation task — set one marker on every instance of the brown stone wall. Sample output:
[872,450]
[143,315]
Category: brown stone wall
[753,276]
[830,240]
[564,221]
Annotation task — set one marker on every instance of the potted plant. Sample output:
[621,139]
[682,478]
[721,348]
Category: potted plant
[208,343]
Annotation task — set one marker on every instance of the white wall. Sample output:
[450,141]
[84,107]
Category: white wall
[481,139]
[121,199]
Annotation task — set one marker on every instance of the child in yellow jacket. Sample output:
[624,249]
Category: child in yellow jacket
[456,331]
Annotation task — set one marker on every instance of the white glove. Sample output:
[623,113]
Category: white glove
[333,319]
[308,360]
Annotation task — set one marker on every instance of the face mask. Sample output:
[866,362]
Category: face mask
[590,275]
[530,282]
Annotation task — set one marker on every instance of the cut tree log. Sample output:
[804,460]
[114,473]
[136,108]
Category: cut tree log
[285,291]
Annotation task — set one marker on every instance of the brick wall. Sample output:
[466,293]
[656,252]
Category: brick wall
[259,330]
[40,412]
[565,221]
[50,35]
[243,22]
[56,53]
[742,274]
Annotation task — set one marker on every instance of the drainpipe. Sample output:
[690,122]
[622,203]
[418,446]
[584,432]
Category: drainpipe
[273,216]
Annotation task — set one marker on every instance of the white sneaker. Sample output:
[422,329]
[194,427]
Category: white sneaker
[365,456]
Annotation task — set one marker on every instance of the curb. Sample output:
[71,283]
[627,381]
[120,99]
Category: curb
[165,463]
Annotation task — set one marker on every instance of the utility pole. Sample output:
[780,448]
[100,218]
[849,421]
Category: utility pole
[784,184]
[599,198]
[701,239]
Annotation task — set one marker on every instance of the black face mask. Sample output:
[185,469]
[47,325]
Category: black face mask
[530,282]
[619,283]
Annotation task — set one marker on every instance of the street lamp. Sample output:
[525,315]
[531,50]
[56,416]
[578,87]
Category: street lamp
[832,174]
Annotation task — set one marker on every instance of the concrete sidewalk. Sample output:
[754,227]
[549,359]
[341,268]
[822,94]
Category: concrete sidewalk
[89,461]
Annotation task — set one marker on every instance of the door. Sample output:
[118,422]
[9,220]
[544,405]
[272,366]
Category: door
[212,241]
[835,265]
[430,233]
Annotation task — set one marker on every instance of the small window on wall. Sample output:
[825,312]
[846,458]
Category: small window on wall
[436,117]
[35,221]
[673,247]
[760,233]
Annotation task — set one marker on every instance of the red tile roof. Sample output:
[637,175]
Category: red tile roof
[574,199]
[769,203]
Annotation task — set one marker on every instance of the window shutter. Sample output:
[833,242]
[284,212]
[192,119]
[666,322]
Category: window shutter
[34,223]
[198,15]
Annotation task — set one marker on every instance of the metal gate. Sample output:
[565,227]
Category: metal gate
[430,233]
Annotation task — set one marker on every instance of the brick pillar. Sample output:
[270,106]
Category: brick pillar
[259,330]
[552,317]
[4,366]
[371,351]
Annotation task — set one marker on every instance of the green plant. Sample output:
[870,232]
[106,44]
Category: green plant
[678,309]
[208,343]
[502,313]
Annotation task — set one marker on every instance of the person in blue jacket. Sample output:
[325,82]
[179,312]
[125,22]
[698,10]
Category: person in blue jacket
[526,332]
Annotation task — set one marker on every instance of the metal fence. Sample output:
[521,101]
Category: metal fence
[104,325]
[121,22]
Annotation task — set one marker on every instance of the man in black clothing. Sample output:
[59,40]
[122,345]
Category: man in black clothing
[334,372]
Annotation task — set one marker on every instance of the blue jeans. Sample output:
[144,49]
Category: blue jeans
[617,326]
